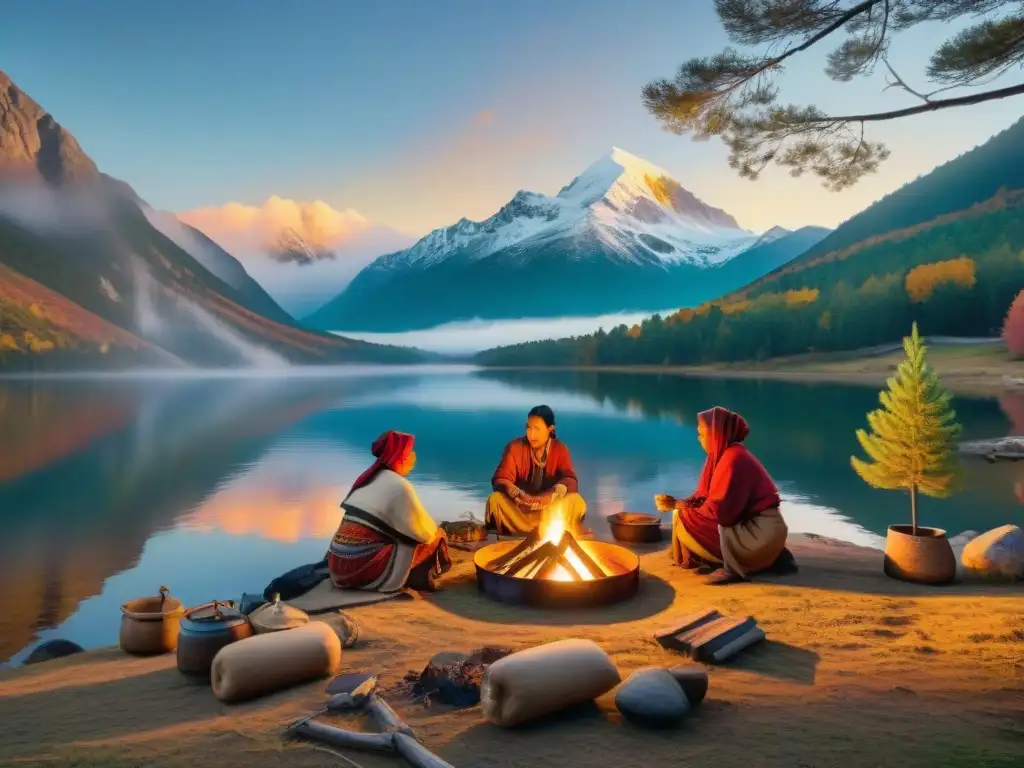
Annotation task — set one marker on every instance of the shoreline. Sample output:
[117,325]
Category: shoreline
[971,372]
[925,665]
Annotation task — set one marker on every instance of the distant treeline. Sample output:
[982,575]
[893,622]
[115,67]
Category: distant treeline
[956,275]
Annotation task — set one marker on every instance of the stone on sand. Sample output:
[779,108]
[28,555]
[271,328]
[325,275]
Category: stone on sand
[651,696]
[694,682]
[52,649]
[999,552]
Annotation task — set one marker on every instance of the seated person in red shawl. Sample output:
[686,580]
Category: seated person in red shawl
[535,472]
[386,540]
[732,521]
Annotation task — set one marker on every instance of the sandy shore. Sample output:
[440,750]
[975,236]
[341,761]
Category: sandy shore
[967,370]
[859,670]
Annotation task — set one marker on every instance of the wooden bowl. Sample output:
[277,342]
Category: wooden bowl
[635,527]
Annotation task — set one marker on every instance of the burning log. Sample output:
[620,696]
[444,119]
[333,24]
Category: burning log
[534,559]
[524,547]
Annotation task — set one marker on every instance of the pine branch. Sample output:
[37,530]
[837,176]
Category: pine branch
[920,109]
[733,95]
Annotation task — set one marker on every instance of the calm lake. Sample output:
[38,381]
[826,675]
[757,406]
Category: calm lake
[111,487]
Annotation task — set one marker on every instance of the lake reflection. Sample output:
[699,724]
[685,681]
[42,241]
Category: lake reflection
[111,488]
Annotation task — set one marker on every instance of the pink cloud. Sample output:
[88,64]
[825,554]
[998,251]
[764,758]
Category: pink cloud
[243,229]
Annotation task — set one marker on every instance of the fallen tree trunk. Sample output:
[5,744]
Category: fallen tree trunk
[996,449]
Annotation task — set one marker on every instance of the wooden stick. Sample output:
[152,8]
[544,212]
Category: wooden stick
[522,547]
[339,737]
[416,754]
[540,553]
[558,559]
[386,718]
[596,571]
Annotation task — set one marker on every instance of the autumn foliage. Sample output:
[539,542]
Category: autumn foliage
[1013,328]
[922,281]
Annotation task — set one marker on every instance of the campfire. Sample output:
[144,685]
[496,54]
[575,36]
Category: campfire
[550,552]
[552,567]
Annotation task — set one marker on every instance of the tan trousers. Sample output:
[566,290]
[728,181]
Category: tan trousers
[507,517]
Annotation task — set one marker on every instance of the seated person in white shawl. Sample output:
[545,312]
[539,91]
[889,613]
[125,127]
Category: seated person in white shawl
[386,539]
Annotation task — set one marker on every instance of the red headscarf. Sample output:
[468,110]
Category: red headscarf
[390,450]
[724,428]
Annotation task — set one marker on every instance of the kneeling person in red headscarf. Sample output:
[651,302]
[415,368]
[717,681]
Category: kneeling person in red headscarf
[732,521]
[387,540]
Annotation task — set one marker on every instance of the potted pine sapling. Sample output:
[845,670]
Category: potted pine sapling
[912,447]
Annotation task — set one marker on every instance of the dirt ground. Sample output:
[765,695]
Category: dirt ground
[858,670]
[965,369]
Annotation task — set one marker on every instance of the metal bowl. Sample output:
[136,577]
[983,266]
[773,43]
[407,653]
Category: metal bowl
[635,527]
[622,583]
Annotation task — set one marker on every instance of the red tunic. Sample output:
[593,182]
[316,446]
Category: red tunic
[516,464]
[740,487]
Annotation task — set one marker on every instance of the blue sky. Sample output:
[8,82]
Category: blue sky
[417,112]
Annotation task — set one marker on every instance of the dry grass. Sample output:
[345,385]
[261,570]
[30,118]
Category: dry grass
[859,671]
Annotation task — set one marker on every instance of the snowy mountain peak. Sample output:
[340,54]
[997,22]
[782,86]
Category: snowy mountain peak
[621,208]
[627,182]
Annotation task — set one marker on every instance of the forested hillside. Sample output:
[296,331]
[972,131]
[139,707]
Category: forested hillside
[946,251]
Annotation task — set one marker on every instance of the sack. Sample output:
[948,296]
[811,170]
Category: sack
[545,679]
[297,581]
[264,664]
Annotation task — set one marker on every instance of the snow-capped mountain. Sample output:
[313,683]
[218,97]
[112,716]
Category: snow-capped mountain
[624,235]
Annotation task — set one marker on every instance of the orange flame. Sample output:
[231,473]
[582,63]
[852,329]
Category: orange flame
[554,523]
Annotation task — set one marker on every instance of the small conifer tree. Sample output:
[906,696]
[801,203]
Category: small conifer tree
[913,436]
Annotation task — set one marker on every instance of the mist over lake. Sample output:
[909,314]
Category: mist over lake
[467,337]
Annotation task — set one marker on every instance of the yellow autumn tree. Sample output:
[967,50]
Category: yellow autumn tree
[912,443]
[922,280]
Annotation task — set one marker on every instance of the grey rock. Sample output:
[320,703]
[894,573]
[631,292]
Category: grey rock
[694,682]
[651,696]
[53,649]
[996,553]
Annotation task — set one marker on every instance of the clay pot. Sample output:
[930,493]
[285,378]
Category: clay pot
[149,625]
[635,527]
[205,629]
[926,558]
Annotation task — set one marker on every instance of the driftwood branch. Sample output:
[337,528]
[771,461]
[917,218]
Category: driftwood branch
[416,754]
[397,736]
[341,738]
[386,718]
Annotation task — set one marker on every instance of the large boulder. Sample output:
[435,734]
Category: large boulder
[997,553]
[652,696]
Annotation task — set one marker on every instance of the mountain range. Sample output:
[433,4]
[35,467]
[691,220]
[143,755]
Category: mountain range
[86,277]
[945,251]
[622,236]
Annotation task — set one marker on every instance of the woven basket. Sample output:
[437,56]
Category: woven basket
[924,559]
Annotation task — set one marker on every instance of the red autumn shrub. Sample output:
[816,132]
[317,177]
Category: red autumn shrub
[1013,328]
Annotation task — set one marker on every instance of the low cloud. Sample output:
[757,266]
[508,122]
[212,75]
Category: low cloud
[244,229]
